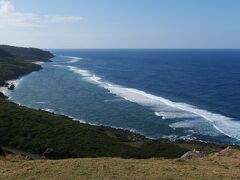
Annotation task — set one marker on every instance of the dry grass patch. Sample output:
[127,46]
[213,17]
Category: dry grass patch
[211,167]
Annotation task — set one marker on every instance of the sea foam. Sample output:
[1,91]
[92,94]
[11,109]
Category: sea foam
[72,59]
[165,108]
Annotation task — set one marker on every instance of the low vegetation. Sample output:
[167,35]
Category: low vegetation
[35,131]
[211,167]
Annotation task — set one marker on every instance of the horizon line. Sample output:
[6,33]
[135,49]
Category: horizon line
[145,48]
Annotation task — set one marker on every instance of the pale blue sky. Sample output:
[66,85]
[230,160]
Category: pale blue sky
[120,23]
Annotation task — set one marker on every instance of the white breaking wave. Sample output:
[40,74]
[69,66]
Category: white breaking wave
[73,59]
[41,102]
[198,126]
[49,110]
[165,108]
[86,74]
[175,115]
[16,83]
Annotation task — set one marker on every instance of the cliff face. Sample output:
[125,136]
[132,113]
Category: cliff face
[18,61]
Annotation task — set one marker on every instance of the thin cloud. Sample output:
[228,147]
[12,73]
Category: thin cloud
[9,16]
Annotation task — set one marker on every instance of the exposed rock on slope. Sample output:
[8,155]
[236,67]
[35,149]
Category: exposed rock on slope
[192,154]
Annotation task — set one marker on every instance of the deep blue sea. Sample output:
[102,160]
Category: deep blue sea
[188,94]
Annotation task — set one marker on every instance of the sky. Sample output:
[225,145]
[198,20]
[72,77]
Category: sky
[120,23]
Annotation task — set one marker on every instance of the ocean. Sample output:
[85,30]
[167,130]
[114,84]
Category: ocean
[176,94]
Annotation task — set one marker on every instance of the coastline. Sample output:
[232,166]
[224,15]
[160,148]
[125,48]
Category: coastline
[8,84]
[128,132]
[132,135]
[14,82]
[89,140]
[156,147]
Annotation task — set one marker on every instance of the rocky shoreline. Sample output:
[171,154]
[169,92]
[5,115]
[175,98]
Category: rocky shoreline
[127,134]
[118,132]
[123,134]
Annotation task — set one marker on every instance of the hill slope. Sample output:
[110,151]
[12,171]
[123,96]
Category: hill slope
[35,131]
[18,61]
[213,167]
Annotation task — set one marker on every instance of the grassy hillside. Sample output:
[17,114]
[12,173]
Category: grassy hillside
[16,62]
[27,54]
[35,131]
[226,166]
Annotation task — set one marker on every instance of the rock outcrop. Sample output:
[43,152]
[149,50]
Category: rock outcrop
[192,154]
[11,87]
[225,152]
